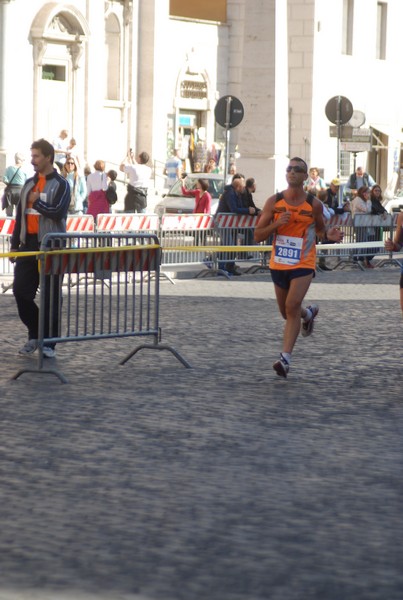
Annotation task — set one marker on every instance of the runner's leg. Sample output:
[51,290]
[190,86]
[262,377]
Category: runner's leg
[294,311]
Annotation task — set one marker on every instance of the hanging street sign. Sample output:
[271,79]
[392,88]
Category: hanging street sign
[339,110]
[351,134]
[356,146]
[228,111]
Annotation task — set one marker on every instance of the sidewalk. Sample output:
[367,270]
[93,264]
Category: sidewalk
[222,482]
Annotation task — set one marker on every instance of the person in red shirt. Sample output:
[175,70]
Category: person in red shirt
[202,196]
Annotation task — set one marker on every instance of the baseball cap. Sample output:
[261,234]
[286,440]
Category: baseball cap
[335,181]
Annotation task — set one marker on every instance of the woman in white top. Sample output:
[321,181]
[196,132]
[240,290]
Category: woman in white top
[97,183]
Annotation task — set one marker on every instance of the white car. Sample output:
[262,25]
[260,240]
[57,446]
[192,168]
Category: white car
[394,204]
[175,202]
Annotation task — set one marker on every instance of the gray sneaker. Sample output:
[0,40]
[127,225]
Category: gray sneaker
[49,352]
[29,347]
[307,327]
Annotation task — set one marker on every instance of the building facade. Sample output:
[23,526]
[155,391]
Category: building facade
[147,74]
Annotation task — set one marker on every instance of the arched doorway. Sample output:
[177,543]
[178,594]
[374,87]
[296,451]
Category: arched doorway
[58,36]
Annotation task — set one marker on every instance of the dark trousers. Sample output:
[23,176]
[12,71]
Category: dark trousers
[25,287]
[226,260]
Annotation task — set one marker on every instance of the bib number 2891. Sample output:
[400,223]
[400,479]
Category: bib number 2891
[288,250]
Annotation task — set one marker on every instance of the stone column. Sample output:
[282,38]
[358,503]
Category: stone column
[4,8]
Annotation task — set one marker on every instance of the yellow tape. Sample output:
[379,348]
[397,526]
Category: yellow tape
[40,253]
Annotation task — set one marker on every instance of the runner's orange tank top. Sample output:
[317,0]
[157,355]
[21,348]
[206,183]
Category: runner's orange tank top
[294,244]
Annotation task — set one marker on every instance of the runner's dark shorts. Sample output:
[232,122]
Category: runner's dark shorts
[283,278]
[401,281]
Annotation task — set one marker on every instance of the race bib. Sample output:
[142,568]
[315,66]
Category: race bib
[288,250]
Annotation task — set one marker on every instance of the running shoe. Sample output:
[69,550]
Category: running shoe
[281,367]
[49,352]
[28,348]
[307,327]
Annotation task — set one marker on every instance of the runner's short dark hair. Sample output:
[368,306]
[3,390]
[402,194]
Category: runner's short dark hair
[297,158]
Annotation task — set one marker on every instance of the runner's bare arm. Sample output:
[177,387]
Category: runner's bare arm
[396,244]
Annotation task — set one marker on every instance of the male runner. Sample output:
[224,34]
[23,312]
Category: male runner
[296,219]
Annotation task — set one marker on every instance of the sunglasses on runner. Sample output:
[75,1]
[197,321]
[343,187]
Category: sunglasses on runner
[295,169]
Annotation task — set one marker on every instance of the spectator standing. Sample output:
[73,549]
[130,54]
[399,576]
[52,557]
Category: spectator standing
[247,196]
[358,180]
[139,174]
[211,166]
[296,219]
[111,192]
[231,172]
[328,212]
[97,184]
[314,183]
[201,195]
[78,186]
[73,151]
[14,178]
[231,202]
[42,208]
[173,169]
[60,145]
[248,202]
[377,208]
[361,205]
[112,176]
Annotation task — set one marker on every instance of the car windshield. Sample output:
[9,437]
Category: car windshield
[216,186]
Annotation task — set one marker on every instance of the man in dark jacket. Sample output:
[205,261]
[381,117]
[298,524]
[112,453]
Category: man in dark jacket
[231,202]
[42,209]
[330,197]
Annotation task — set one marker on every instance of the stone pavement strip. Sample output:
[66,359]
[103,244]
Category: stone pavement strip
[150,481]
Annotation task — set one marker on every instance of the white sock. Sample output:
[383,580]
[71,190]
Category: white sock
[286,356]
[308,315]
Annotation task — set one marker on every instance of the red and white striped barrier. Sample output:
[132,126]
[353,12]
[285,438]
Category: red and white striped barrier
[80,224]
[231,221]
[343,220]
[7,225]
[190,222]
[132,222]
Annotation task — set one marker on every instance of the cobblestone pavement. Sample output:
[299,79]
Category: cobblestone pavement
[150,481]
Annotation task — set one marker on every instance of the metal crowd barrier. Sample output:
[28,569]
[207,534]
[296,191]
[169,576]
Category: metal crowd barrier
[125,304]
[128,223]
[359,232]
[80,224]
[185,238]
[235,232]
[196,239]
